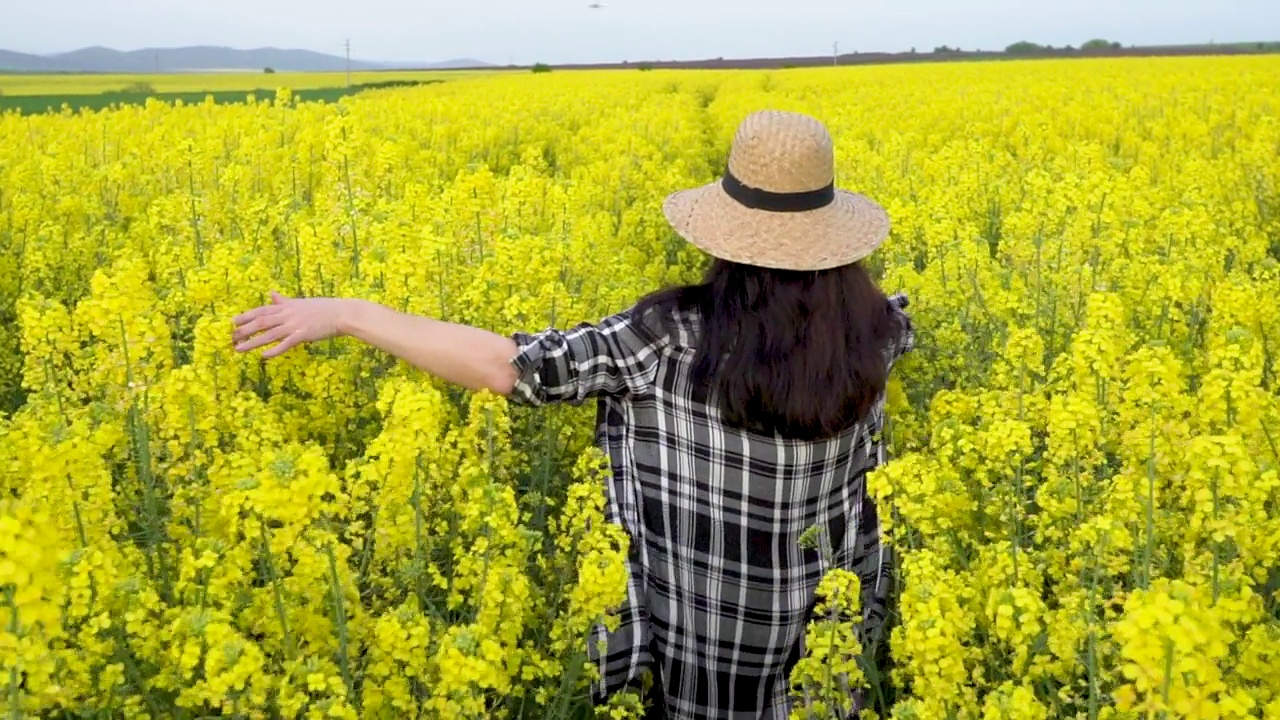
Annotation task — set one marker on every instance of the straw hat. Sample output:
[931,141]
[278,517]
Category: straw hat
[777,205]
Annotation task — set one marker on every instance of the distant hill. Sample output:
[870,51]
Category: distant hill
[206,58]
[21,61]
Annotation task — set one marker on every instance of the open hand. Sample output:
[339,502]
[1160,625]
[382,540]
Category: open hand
[288,322]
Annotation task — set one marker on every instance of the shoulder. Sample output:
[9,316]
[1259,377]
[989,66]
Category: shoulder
[663,328]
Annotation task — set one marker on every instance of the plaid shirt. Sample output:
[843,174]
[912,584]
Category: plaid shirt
[720,590]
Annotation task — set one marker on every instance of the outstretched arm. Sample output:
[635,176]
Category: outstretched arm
[474,358]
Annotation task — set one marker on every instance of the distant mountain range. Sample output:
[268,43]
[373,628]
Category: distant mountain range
[203,58]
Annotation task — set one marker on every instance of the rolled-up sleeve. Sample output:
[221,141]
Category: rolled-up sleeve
[612,357]
[905,342]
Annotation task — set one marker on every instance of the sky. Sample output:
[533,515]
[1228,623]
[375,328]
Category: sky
[566,31]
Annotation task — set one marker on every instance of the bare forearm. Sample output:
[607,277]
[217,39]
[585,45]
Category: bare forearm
[474,358]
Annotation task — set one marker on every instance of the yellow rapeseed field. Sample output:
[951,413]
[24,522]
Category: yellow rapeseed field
[1084,493]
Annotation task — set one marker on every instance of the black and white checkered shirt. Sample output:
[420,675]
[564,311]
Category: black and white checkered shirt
[720,589]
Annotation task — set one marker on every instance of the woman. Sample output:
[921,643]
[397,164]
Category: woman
[737,413]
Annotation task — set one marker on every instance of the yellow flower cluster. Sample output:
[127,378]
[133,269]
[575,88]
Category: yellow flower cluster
[1085,495]
[826,679]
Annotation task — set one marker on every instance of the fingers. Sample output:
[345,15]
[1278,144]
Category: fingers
[263,326]
[285,345]
[256,313]
[253,327]
[246,316]
[276,301]
[265,338]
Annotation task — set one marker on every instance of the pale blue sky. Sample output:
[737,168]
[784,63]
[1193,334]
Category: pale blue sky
[529,31]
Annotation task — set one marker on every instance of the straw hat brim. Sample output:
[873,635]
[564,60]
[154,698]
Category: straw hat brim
[846,230]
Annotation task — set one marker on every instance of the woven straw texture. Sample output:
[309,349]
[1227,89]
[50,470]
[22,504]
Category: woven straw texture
[780,152]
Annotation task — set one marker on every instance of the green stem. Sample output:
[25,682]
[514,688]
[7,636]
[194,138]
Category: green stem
[138,431]
[351,218]
[340,623]
[440,274]
[1266,432]
[75,510]
[489,491]
[832,618]
[1168,677]
[1214,543]
[1075,475]
[125,656]
[195,221]
[205,576]
[57,391]
[366,553]
[419,555]
[1151,502]
[1092,658]
[289,648]
[1017,519]
[297,265]
[1093,676]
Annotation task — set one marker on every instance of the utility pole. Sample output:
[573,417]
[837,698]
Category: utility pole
[835,53]
[348,46]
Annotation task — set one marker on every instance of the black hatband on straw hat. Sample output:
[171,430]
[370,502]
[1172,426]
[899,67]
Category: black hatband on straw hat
[758,199]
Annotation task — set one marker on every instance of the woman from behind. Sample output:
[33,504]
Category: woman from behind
[738,413]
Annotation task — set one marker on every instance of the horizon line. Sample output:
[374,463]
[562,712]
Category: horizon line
[471,58]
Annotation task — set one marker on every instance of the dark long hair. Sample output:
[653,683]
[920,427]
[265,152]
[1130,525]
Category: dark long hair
[801,354]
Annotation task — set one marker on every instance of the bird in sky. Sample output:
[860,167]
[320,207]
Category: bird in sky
[596,6]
